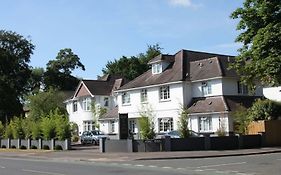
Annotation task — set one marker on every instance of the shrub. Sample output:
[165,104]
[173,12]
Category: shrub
[75,138]
[8,132]
[17,129]
[58,147]
[13,147]
[241,120]
[48,127]
[63,130]
[2,130]
[33,147]
[3,146]
[265,110]
[183,122]
[22,147]
[46,147]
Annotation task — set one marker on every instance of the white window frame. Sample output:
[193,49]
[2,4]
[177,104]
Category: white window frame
[165,124]
[132,126]
[156,68]
[86,104]
[205,124]
[144,95]
[126,99]
[88,125]
[75,106]
[164,93]
[206,88]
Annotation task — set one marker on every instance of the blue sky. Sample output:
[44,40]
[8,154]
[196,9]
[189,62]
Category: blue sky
[102,30]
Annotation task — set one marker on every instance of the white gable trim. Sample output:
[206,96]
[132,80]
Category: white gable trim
[207,113]
[79,87]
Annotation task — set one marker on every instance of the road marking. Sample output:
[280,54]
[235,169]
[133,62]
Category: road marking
[126,164]
[166,167]
[2,167]
[152,166]
[220,172]
[224,164]
[139,165]
[199,170]
[41,172]
[180,169]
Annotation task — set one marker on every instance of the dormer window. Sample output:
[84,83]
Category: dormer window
[156,68]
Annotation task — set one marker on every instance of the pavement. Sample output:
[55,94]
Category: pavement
[92,154]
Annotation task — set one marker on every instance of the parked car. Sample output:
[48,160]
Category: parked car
[92,137]
[176,134]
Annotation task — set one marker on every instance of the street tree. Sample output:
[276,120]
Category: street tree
[58,71]
[132,67]
[15,52]
[259,59]
[43,102]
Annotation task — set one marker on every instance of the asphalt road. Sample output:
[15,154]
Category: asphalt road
[267,164]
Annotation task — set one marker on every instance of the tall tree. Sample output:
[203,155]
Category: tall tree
[131,67]
[260,23]
[58,73]
[15,52]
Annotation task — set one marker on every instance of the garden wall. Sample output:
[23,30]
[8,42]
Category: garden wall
[34,144]
[179,144]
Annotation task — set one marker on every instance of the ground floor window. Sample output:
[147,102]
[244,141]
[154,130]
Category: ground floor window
[112,126]
[132,126]
[88,125]
[165,124]
[205,124]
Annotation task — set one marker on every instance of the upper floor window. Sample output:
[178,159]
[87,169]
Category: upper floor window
[75,106]
[205,124]
[206,88]
[86,104]
[126,98]
[156,68]
[242,88]
[144,95]
[165,124]
[105,101]
[164,93]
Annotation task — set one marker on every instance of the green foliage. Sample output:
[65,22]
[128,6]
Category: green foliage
[36,81]
[15,52]
[36,129]
[260,23]
[42,103]
[241,120]
[8,132]
[146,123]
[63,130]
[265,110]
[2,130]
[183,122]
[48,127]
[23,147]
[58,147]
[221,131]
[17,128]
[46,147]
[135,65]
[58,73]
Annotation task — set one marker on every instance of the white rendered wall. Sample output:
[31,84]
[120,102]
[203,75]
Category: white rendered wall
[133,109]
[216,86]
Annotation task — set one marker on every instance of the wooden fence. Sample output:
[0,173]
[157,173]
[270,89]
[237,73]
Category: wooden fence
[271,129]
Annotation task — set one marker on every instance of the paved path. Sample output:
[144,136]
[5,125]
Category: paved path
[93,154]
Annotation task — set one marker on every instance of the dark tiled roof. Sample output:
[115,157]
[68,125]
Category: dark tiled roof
[103,86]
[111,114]
[162,57]
[184,66]
[220,103]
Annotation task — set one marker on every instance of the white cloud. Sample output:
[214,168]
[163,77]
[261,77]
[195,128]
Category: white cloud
[184,3]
